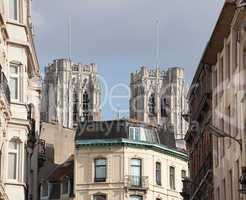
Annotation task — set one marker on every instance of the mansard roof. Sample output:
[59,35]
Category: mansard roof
[119,130]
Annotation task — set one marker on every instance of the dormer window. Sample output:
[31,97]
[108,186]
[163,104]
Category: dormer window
[143,134]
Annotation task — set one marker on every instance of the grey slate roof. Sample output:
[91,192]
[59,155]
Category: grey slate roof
[119,129]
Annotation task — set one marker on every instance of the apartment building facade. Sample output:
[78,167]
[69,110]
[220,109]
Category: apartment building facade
[20,69]
[71,93]
[5,112]
[224,56]
[229,101]
[159,97]
[199,140]
[125,159]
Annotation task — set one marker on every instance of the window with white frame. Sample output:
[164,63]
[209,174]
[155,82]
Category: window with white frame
[158,173]
[143,134]
[14,164]
[136,172]
[172,178]
[14,9]
[14,81]
[100,169]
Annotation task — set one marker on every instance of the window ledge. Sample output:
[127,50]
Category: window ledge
[14,182]
[15,22]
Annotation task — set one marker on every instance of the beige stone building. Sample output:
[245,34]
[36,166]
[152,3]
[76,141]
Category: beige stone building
[71,93]
[20,114]
[56,173]
[5,112]
[159,97]
[228,58]
[125,159]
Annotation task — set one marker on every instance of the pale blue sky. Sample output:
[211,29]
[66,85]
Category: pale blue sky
[119,35]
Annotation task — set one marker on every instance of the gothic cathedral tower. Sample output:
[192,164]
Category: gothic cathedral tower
[159,97]
[71,93]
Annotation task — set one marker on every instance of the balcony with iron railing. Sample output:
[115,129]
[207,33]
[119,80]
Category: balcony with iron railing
[140,183]
[4,88]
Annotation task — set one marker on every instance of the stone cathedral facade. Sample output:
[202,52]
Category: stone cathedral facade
[71,93]
[159,97]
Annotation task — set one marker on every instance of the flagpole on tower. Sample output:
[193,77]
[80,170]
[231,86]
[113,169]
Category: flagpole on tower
[69,38]
[157,43]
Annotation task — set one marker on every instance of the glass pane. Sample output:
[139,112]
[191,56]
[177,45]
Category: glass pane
[136,171]
[100,172]
[12,161]
[13,69]
[13,9]
[14,88]
[137,134]
[99,197]
[100,162]
[13,145]
[65,186]
[136,162]
[44,189]
[136,198]
[131,133]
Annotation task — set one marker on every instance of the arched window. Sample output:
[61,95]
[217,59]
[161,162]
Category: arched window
[86,102]
[152,104]
[75,106]
[136,197]
[14,160]
[163,107]
[99,196]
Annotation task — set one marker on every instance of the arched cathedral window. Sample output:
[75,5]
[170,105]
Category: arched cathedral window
[75,106]
[163,107]
[86,102]
[152,104]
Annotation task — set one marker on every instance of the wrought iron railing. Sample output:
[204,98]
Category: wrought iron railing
[4,88]
[136,182]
